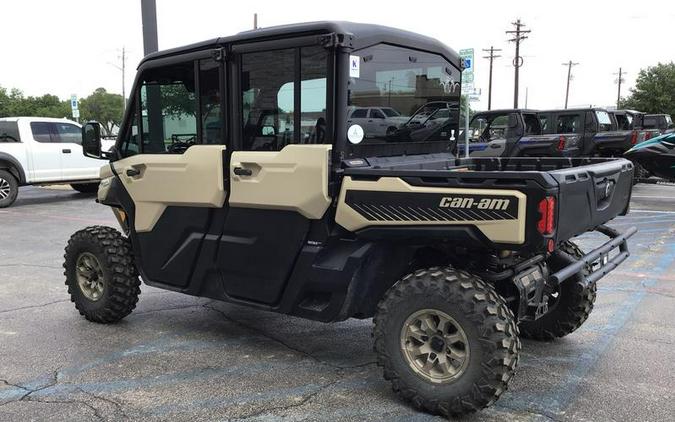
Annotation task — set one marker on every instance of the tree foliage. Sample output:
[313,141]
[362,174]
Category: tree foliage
[15,103]
[104,107]
[654,90]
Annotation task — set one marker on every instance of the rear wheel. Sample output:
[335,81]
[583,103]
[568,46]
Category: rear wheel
[85,187]
[9,188]
[570,303]
[100,274]
[446,340]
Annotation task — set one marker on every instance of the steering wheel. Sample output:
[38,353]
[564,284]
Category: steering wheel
[180,147]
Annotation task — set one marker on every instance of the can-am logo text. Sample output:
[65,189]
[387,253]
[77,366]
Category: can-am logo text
[483,204]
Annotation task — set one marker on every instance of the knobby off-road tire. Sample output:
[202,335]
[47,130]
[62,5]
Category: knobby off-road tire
[9,188]
[570,309]
[85,187]
[100,274]
[477,318]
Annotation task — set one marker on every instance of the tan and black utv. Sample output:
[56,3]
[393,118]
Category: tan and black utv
[308,170]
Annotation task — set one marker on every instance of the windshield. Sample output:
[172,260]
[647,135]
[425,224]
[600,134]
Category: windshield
[604,121]
[416,92]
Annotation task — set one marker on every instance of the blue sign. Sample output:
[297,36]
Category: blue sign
[468,63]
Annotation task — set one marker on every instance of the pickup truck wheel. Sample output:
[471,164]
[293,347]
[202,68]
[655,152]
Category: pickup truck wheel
[569,306]
[9,189]
[85,187]
[446,340]
[100,274]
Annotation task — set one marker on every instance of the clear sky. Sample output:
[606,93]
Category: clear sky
[72,46]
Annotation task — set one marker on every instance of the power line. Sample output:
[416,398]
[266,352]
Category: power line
[519,35]
[492,56]
[569,65]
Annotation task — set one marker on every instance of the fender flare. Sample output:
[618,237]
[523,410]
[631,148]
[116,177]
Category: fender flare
[13,164]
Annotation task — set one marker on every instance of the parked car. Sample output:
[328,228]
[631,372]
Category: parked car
[597,130]
[515,133]
[40,151]
[376,121]
[662,122]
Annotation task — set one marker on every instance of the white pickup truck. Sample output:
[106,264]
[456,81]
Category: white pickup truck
[43,151]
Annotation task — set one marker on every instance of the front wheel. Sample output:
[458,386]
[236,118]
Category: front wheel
[100,274]
[446,340]
[9,189]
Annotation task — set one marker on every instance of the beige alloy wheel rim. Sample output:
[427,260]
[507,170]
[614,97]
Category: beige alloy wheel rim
[435,346]
[89,276]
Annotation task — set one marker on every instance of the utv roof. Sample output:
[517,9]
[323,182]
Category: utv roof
[572,110]
[508,110]
[626,112]
[363,35]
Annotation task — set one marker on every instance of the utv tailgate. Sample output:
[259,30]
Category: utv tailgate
[591,195]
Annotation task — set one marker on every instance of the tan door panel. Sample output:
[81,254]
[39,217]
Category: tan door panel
[498,229]
[192,179]
[295,178]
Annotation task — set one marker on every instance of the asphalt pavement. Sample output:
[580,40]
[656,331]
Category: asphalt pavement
[184,358]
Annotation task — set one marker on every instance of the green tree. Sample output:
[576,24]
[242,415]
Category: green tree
[104,107]
[14,103]
[654,90]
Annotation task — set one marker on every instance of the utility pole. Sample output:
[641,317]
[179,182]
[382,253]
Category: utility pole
[527,94]
[492,56]
[518,36]
[255,21]
[569,65]
[122,68]
[618,81]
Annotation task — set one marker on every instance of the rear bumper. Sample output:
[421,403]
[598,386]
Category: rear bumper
[598,259]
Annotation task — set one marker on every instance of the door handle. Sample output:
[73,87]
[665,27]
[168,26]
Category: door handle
[495,146]
[65,151]
[240,171]
[132,172]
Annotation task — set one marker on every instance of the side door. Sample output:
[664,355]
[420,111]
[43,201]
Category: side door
[275,195]
[377,123]
[44,150]
[75,166]
[493,141]
[171,179]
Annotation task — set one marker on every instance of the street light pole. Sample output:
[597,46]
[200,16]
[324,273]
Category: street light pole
[492,56]
[149,19]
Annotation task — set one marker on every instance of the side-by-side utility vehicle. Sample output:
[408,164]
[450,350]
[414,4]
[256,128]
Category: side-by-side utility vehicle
[236,176]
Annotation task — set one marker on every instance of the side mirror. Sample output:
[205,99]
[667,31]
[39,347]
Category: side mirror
[91,140]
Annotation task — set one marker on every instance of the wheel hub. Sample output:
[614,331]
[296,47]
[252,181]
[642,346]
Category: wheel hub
[89,276]
[4,189]
[435,346]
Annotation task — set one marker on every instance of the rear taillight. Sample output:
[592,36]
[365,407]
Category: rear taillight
[561,143]
[648,135]
[546,222]
[634,137]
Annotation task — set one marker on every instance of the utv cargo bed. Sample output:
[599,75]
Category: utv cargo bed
[585,192]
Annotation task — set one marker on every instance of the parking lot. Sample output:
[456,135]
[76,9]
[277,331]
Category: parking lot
[184,358]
